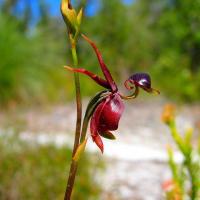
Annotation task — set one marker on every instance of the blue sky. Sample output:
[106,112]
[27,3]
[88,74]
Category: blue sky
[54,7]
[91,9]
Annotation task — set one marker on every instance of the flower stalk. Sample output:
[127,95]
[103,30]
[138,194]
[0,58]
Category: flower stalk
[74,163]
[78,102]
[73,22]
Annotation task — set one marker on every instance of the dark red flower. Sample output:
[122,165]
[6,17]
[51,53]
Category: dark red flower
[107,113]
[106,118]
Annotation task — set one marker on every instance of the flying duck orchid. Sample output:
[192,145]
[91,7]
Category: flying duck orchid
[108,105]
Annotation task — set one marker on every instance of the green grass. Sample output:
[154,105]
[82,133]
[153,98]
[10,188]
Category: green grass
[29,172]
[31,65]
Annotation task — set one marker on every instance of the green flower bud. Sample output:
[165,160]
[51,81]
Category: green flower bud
[72,20]
[79,17]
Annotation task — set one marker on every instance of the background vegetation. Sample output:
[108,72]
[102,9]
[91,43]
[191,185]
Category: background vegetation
[39,172]
[185,181]
[161,37]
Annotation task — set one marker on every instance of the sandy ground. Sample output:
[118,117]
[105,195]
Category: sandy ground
[136,161]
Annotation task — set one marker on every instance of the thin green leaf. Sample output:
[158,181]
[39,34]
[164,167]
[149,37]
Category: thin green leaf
[94,102]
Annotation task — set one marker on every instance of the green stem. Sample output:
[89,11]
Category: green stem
[188,160]
[79,112]
[78,100]
[192,179]
[74,165]
[74,54]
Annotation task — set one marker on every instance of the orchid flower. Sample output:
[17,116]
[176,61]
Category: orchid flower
[106,115]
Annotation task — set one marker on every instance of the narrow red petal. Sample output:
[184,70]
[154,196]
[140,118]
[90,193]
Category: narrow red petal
[96,78]
[94,125]
[104,68]
[95,135]
[99,143]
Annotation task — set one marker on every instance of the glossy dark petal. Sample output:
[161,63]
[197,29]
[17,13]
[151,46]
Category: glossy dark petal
[106,118]
[142,80]
[111,114]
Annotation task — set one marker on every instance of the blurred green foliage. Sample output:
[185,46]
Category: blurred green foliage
[161,37]
[30,171]
[188,172]
[185,182]
[31,62]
